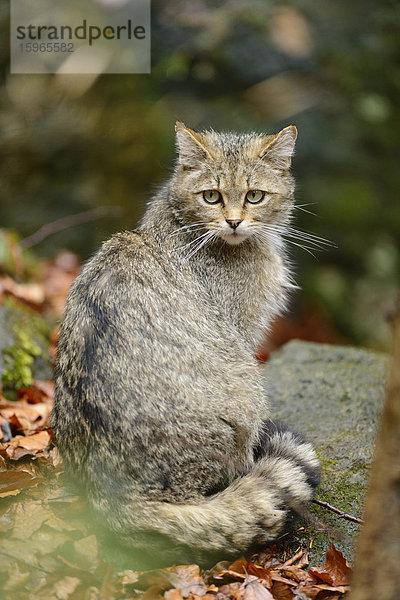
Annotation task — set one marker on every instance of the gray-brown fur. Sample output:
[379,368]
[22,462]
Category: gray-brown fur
[159,406]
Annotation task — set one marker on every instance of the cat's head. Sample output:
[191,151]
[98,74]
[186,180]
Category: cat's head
[236,185]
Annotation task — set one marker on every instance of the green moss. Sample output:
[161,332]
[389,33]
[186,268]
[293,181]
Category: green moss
[18,362]
[29,332]
[326,463]
[338,490]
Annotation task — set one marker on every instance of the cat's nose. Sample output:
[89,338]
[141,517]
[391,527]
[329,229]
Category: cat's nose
[234,222]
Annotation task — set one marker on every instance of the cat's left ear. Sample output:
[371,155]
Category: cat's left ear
[279,148]
[191,145]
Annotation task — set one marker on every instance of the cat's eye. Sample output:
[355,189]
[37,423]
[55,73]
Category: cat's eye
[212,196]
[255,196]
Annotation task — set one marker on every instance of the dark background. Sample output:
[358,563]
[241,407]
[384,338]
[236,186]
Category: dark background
[70,144]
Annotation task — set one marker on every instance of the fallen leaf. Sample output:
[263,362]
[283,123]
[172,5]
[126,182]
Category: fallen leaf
[15,481]
[86,552]
[40,391]
[65,587]
[282,591]
[244,568]
[58,524]
[153,593]
[275,576]
[28,293]
[128,577]
[16,578]
[174,594]
[336,571]
[320,591]
[298,574]
[19,409]
[7,514]
[28,518]
[21,445]
[254,590]
[47,386]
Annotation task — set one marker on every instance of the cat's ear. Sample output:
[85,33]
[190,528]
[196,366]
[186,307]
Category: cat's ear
[191,145]
[279,148]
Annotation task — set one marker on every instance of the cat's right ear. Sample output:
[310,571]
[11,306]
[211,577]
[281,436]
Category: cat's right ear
[190,145]
[279,148]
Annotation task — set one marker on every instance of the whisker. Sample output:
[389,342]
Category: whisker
[278,233]
[300,207]
[302,247]
[312,236]
[209,235]
[193,241]
[290,232]
[198,224]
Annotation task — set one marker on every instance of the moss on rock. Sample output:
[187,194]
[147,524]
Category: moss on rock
[333,395]
[24,344]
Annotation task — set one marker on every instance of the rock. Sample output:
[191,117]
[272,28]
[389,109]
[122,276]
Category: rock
[23,347]
[333,395]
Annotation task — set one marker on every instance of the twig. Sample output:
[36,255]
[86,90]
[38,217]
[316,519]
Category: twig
[24,562]
[66,222]
[295,557]
[342,515]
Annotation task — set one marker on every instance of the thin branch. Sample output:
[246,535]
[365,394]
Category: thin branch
[70,221]
[342,515]
[24,562]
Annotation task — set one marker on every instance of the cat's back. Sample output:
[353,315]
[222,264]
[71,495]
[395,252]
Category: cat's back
[144,350]
[137,287]
[137,321]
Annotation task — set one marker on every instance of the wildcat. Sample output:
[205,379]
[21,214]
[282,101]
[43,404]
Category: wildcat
[159,407]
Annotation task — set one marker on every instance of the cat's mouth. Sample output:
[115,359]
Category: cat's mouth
[234,237]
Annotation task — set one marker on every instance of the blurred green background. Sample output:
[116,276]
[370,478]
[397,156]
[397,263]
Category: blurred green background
[73,143]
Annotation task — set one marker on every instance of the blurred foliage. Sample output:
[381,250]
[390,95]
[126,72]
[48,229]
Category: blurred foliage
[72,143]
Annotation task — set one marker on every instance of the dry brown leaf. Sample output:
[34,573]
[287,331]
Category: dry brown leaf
[254,590]
[29,516]
[153,593]
[10,493]
[336,571]
[65,587]
[41,391]
[7,514]
[128,577]
[55,457]
[86,552]
[19,409]
[16,578]
[243,567]
[174,594]
[28,293]
[185,577]
[320,592]
[188,579]
[16,481]
[22,445]
[282,591]
[58,524]
[299,575]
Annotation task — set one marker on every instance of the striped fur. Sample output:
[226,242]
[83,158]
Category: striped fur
[159,405]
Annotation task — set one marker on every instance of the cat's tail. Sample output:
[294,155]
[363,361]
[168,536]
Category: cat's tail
[252,510]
